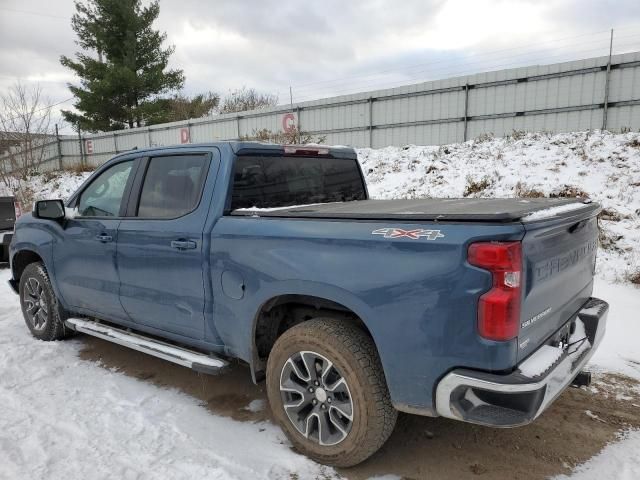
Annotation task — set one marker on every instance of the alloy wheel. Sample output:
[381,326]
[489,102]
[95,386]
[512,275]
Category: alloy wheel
[316,398]
[35,303]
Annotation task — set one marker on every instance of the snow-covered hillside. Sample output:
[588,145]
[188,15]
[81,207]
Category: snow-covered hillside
[601,165]
[41,186]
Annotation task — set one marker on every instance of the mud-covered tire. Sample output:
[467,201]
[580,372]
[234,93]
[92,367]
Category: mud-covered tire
[36,295]
[353,354]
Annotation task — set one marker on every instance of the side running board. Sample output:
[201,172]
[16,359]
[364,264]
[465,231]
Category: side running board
[197,361]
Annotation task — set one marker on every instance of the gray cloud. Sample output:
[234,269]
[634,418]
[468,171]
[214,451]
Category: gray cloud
[329,47]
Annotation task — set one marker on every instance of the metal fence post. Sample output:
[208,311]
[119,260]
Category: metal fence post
[466,111]
[370,122]
[299,124]
[606,85]
[60,164]
[80,144]
[238,127]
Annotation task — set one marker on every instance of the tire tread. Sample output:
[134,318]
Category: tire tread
[359,346]
[55,329]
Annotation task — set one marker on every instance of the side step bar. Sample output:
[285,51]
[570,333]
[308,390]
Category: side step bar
[197,361]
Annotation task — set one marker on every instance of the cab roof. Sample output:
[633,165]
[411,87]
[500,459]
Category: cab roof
[258,148]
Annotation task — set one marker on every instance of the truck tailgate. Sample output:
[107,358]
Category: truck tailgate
[558,265]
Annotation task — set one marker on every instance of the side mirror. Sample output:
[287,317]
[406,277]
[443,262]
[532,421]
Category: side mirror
[49,209]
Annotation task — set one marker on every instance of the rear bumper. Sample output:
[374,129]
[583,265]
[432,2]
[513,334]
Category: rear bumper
[516,399]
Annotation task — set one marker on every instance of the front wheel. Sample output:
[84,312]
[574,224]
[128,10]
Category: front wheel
[42,313]
[327,391]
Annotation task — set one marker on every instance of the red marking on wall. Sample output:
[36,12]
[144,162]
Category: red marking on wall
[88,147]
[288,122]
[185,136]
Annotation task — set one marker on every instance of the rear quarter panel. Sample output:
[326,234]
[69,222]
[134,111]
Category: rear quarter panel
[417,297]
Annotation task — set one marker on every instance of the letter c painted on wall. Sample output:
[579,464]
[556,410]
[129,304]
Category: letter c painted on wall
[288,122]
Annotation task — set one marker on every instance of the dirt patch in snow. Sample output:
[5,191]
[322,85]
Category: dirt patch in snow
[575,428]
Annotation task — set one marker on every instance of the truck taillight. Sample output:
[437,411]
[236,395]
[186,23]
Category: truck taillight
[18,208]
[499,308]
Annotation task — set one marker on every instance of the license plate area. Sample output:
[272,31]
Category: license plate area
[561,337]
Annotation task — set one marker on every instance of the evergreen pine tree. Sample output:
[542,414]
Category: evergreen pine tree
[122,66]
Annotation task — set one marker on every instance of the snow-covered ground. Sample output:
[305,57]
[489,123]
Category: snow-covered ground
[66,418]
[618,461]
[62,417]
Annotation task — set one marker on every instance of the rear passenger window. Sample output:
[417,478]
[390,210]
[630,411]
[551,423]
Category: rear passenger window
[172,186]
[267,182]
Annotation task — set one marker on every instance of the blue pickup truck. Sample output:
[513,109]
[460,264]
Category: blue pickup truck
[352,309]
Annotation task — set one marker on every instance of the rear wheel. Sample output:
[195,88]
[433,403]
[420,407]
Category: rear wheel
[42,313]
[327,391]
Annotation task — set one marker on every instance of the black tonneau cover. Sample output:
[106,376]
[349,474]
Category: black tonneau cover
[453,209]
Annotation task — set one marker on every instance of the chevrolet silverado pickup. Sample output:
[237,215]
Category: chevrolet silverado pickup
[351,309]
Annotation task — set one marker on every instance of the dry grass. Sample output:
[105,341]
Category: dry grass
[79,168]
[293,137]
[569,191]
[607,240]
[612,215]
[483,137]
[522,191]
[635,143]
[476,186]
[517,135]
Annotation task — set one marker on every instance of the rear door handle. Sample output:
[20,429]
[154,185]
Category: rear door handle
[183,244]
[104,238]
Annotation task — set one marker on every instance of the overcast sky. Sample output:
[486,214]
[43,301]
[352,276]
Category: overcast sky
[330,47]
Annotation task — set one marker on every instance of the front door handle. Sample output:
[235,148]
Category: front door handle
[104,238]
[183,244]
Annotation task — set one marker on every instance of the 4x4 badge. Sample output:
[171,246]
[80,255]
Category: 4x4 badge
[412,234]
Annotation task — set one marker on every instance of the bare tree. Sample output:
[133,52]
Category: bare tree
[25,130]
[247,99]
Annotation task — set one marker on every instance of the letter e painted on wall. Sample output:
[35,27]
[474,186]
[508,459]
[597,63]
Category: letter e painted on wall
[185,136]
